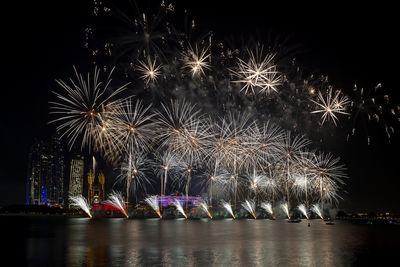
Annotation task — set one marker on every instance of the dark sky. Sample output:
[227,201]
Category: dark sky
[349,43]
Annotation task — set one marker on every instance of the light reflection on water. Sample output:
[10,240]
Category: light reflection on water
[120,242]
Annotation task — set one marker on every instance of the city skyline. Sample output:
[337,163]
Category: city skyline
[358,185]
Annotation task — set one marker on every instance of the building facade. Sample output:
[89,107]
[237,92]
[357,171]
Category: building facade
[76,176]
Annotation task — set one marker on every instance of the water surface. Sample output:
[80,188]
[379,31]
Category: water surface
[67,241]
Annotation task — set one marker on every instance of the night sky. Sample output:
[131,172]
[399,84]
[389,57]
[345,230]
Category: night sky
[351,44]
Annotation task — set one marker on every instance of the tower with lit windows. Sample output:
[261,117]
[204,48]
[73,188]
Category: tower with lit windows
[76,176]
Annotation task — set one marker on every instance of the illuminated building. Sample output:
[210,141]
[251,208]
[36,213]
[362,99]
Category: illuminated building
[76,176]
[34,174]
[45,183]
[96,189]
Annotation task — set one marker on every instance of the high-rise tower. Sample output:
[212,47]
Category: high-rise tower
[76,176]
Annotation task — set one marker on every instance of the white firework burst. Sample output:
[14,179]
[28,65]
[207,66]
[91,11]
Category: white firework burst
[197,60]
[80,109]
[149,69]
[330,105]
[258,75]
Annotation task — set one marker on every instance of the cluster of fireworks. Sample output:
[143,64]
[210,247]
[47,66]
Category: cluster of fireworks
[114,199]
[239,142]
[234,156]
[265,78]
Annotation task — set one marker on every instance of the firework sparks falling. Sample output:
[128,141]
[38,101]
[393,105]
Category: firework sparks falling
[81,202]
[373,108]
[250,207]
[152,201]
[115,199]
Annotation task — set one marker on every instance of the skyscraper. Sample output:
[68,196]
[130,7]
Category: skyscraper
[55,192]
[34,183]
[76,176]
[45,184]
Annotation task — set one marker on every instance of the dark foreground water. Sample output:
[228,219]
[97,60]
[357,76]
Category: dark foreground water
[63,241]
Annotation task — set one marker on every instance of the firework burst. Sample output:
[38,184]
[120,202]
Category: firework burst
[150,70]
[79,109]
[258,75]
[196,61]
[330,105]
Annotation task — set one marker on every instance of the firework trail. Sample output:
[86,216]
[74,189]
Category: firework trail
[303,210]
[152,201]
[250,207]
[166,163]
[204,207]
[228,207]
[80,202]
[285,208]
[268,208]
[328,173]
[134,170]
[115,199]
[315,208]
[291,149]
[179,207]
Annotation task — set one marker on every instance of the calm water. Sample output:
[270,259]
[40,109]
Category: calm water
[63,241]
